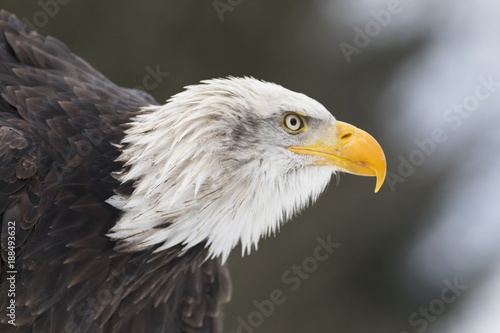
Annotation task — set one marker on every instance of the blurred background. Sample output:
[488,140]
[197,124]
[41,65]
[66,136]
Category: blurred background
[423,77]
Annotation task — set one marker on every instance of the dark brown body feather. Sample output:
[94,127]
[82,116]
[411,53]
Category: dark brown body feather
[59,118]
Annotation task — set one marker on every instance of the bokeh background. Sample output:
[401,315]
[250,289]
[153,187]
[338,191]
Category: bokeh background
[423,77]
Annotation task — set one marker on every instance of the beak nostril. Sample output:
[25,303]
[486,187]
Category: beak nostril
[346,136]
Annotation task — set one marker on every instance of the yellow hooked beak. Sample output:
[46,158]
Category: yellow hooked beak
[350,149]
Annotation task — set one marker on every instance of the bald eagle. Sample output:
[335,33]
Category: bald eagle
[118,213]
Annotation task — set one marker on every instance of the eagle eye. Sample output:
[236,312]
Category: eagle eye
[293,122]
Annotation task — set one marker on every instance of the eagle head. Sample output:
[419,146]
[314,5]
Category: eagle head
[228,161]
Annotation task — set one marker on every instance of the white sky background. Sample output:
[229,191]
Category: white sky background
[462,234]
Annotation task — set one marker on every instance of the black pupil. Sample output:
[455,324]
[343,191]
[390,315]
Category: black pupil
[293,122]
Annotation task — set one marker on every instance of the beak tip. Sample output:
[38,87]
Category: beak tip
[380,182]
[380,174]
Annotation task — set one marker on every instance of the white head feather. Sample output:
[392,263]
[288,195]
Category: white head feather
[212,165]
